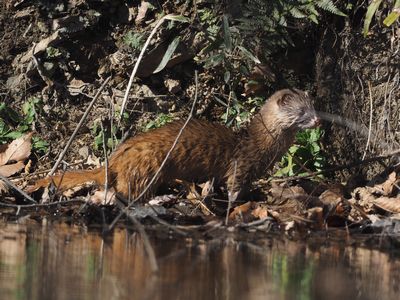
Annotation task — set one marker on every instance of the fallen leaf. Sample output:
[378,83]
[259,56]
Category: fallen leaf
[3,188]
[240,211]
[389,185]
[260,212]
[280,194]
[163,199]
[100,197]
[388,204]
[144,6]
[17,150]
[207,189]
[11,169]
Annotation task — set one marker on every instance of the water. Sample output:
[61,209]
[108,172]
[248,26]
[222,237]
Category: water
[60,261]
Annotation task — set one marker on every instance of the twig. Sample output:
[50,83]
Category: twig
[153,179]
[370,120]
[128,88]
[12,185]
[83,119]
[105,163]
[42,204]
[231,196]
[255,223]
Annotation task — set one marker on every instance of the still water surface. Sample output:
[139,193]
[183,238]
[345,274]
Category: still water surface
[60,261]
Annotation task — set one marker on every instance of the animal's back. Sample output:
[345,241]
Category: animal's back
[203,152]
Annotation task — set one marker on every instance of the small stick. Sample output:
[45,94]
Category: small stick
[128,88]
[255,223]
[18,206]
[153,179]
[83,119]
[105,164]
[231,197]
[370,121]
[12,185]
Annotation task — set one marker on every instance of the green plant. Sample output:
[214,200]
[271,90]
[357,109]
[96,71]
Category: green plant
[237,113]
[262,24]
[134,40]
[373,8]
[14,125]
[236,44]
[52,52]
[160,121]
[304,156]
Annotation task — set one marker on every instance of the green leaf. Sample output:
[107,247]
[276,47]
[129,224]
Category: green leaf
[313,18]
[177,18]
[329,6]
[227,34]
[168,54]
[39,145]
[214,60]
[227,76]
[249,55]
[13,135]
[372,8]
[393,16]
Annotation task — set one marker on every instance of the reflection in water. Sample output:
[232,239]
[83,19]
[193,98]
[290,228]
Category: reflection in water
[67,262]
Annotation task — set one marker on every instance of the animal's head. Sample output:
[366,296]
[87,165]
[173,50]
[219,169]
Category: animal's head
[292,109]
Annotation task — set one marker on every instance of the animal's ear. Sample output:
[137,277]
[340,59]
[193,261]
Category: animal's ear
[285,99]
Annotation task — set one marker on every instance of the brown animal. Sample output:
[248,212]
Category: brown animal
[204,151]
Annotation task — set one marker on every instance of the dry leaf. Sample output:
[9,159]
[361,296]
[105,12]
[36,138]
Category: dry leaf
[286,192]
[388,186]
[17,150]
[144,6]
[99,197]
[241,209]
[364,196]
[207,188]
[388,204]
[9,170]
[3,188]
[260,212]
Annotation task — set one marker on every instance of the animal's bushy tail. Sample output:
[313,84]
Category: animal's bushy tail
[70,179]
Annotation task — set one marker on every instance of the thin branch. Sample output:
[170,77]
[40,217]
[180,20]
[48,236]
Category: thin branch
[42,204]
[105,163]
[370,120]
[153,179]
[231,197]
[128,88]
[83,119]
[12,185]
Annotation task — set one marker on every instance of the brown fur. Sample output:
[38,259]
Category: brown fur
[204,151]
